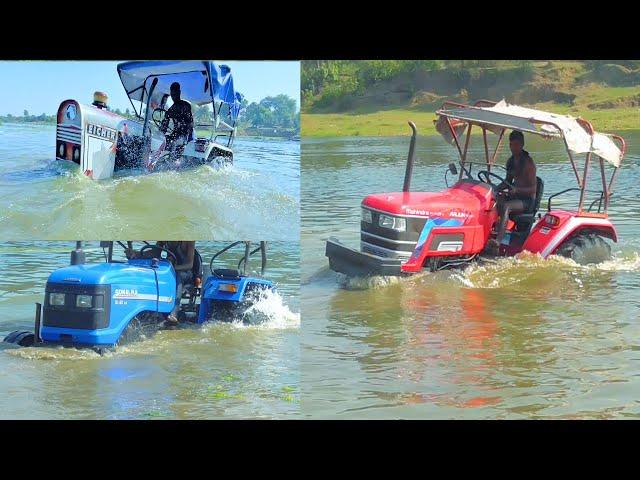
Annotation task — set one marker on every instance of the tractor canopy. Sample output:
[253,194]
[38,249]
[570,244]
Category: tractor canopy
[578,134]
[201,82]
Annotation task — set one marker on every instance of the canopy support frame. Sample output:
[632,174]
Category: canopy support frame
[582,182]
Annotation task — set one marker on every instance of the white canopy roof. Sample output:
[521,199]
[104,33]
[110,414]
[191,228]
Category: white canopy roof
[514,117]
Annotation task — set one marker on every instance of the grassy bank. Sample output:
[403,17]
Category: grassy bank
[376,98]
[394,122]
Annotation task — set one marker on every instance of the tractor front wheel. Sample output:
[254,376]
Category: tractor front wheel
[585,249]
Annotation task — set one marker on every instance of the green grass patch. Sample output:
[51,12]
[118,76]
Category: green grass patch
[377,124]
[394,122]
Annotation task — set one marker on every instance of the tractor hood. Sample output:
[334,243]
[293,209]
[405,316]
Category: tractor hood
[463,200]
[109,273]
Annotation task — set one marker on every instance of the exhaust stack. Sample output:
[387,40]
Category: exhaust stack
[77,255]
[412,146]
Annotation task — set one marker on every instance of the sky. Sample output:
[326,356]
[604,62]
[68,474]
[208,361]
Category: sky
[40,86]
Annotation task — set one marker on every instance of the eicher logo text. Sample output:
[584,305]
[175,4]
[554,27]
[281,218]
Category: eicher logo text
[102,132]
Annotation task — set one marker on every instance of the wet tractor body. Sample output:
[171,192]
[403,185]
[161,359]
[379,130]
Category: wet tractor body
[102,142]
[100,305]
[405,232]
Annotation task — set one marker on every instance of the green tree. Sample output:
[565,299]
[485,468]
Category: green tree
[25,113]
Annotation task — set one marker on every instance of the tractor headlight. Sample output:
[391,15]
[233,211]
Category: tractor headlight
[83,301]
[366,216]
[56,299]
[394,223]
[228,287]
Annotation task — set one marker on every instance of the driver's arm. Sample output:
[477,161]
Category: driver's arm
[508,179]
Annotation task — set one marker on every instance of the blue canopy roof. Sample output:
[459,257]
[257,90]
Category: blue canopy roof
[200,81]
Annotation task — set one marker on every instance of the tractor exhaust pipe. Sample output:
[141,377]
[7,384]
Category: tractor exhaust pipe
[77,255]
[412,147]
[36,332]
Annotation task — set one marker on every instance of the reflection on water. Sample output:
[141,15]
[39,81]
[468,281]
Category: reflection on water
[520,338]
[215,371]
[44,198]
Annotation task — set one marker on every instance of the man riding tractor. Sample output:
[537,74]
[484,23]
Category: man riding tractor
[183,257]
[518,192]
[180,113]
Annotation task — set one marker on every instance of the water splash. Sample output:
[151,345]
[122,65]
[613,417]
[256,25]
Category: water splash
[528,267]
[366,283]
[52,353]
[269,312]
[502,272]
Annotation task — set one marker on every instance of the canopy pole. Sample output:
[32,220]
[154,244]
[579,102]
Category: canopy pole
[247,250]
[573,163]
[486,148]
[495,152]
[605,193]
[263,252]
[584,182]
[613,177]
[455,139]
[146,110]
[466,144]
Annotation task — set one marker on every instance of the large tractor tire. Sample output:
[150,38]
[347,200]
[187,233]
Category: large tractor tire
[585,249]
[22,338]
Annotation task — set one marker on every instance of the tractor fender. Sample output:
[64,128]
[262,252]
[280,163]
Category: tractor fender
[545,239]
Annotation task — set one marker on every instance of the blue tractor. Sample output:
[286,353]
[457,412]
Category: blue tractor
[101,305]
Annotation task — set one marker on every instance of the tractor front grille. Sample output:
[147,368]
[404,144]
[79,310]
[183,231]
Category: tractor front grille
[383,252]
[71,316]
[389,243]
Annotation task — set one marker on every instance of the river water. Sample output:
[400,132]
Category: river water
[41,198]
[524,338]
[217,371]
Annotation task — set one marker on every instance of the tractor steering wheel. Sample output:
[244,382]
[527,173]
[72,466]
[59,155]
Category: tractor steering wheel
[484,176]
[158,117]
[169,252]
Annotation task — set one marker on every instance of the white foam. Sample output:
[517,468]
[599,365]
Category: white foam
[270,312]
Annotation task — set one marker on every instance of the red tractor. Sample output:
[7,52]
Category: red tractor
[405,232]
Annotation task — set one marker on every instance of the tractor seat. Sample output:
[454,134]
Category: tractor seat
[524,221]
[226,273]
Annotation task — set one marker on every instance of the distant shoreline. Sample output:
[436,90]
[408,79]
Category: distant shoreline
[391,123]
[240,135]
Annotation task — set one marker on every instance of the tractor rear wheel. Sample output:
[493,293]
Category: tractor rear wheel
[585,248]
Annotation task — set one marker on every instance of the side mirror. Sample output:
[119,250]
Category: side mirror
[453,169]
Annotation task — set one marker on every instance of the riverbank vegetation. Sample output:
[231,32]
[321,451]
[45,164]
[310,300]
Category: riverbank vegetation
[377,97]
[278,116]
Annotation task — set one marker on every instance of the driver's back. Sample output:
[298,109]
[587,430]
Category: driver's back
[180,113]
